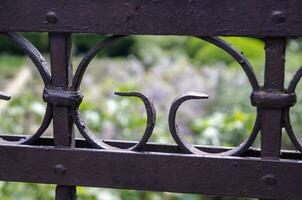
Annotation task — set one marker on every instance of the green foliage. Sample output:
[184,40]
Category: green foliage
[150,49]
[224,129]
[202,52]
[10,65]
[7,47]
[40,40]
[17,191]
[25,112]
[81,44]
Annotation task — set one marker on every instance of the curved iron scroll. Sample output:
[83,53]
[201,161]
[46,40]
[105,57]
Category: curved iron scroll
[84,130]
[98,143]
[286,117]
[189,148]
[42,67]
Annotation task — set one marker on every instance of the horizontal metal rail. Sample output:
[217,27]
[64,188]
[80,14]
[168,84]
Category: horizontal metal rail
[156,147]
[259,18]
[153,171]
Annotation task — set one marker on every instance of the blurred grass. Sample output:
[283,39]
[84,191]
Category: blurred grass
[10,64]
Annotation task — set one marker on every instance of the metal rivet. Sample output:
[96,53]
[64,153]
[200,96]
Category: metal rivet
[278,16]
[269,179]
[51,17]
[60,169]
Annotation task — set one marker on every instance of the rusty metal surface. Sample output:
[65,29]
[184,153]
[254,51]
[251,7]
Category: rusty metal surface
[155,147]
[156,171]
[61,76]
[180,17]
[266,173]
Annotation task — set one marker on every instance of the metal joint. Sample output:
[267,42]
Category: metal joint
[60,97]
[273,99]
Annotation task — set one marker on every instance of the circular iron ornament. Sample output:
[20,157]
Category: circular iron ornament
[94,141]
[84,130]
[43,69]
[286,117]
[241,148]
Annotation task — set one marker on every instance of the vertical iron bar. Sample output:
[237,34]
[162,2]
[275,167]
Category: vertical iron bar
[273,82]
[65,192]
[61,72]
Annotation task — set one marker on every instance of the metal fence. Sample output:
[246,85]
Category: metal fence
[269,173]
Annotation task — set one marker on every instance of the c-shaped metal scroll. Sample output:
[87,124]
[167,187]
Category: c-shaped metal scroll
[286,117]
[189,148]
[98,143]
[42,67]
[84,130]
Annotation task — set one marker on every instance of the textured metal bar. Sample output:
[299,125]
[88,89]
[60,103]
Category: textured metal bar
[173,17]
[272,117]
[273,82]
[65,193]
[231,176]
[61,71]
[155,147]
[161,148]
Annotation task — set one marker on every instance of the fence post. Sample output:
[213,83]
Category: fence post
[61,73]
[272,117]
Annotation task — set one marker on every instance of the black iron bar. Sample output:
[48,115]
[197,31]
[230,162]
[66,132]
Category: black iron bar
[272,117]
[188,17]
[61,72]
[152,171]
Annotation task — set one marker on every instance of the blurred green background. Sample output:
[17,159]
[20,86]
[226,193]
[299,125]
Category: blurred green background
[161,67]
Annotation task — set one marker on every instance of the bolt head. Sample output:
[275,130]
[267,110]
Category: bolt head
[51,17]
[60,169]
[269,180]
[278,16]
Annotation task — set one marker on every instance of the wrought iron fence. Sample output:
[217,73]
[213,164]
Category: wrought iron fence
[269,173]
